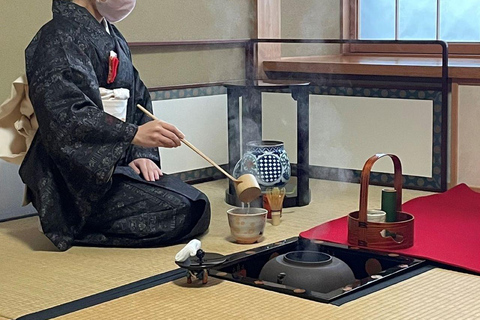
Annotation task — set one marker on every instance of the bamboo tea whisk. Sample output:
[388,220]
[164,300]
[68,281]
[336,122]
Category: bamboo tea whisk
[275,198]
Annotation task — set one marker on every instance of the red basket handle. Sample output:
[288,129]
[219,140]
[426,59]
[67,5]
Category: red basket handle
[365,181]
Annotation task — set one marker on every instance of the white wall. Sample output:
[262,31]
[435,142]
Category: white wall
[203,120]
[310,19]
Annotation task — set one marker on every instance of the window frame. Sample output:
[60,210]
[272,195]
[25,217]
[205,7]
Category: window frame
[350,28]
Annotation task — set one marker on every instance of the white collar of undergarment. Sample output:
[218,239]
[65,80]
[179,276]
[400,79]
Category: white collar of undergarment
[105,24]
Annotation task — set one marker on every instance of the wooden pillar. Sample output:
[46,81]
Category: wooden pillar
[454,136]
[348,25]
[267,26]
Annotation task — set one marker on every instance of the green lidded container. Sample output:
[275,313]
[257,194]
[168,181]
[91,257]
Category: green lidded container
[389,201]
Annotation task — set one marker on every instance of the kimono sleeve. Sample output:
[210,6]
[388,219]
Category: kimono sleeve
[142,97]
[84,142]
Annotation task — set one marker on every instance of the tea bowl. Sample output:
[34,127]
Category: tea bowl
[247,224]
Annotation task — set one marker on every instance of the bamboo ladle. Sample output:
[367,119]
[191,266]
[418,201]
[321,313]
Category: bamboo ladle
[246,186]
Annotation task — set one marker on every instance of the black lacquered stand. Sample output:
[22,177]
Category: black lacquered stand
[251,93]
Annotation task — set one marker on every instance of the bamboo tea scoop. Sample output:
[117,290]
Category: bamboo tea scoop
[246,186]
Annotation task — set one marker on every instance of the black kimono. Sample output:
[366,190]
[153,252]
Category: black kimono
[76,170]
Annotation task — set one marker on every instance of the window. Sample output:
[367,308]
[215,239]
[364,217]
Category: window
[449,20]
[454,21]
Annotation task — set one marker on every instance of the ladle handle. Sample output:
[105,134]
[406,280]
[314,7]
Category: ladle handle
[200,153]
[191,146]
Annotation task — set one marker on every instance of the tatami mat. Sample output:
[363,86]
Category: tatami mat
[34,276]
[436,294]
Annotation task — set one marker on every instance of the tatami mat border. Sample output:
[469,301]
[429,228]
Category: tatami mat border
[19,217]
[105,296]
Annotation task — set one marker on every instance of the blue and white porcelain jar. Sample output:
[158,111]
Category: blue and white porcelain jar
[267,160]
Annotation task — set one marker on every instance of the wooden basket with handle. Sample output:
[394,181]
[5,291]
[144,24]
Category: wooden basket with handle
[381,235]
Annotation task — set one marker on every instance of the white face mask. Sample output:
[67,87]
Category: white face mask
[115,10]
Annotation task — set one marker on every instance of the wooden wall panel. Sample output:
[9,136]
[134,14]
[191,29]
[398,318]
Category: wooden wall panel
[267,25]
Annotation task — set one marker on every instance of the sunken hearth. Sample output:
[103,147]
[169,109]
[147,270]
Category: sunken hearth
[301,275]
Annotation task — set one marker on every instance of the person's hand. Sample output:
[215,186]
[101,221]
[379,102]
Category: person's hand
[148,168]
[158,133]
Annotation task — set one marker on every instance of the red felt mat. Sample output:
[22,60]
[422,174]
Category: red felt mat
[447,228]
